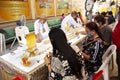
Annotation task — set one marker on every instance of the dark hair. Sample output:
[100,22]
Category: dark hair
[79,13]
[94,0]
[111,20]
[103,13]
[97,13]
[100,18]
[59,43]
[112,3]
[74,13]
[62,14]
[110,13]
[93,26]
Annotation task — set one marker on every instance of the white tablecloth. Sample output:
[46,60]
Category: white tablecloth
[14,59]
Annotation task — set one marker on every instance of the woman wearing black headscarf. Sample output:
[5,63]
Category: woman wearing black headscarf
[64,64]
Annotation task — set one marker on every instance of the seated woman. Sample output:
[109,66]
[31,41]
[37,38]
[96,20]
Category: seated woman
[63,65]
[92,48]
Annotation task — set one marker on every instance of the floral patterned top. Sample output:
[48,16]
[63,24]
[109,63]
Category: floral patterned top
[95,50]
[61,69]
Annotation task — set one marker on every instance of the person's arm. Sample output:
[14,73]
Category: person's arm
[36,28]
[49,68]
[86,56]
[38,38]
[48,63]
[106,43]
[74,23]
[81,32]
[81,19]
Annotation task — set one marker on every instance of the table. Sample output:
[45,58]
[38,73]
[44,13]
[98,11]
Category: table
[14,62]
[37,70]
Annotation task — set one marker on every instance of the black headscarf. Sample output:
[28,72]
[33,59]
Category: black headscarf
[59,42]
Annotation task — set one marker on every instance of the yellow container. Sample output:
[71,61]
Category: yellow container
[31,41]
[67,27]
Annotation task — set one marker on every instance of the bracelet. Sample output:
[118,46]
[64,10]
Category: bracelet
[80,53]
[48,64]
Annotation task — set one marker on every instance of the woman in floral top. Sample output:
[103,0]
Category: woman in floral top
[92,48]
[63,65]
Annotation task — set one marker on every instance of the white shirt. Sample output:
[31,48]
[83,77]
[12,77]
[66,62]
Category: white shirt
[70,20]
[38,27]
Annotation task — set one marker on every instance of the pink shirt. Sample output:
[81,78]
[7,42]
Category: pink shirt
[63,17]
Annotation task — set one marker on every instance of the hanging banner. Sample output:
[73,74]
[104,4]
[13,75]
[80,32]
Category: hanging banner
[12,10]
[45,7]
[63,6]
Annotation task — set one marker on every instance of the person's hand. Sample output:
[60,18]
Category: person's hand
[38,41]
[47,60]
[73,26]
[83,32]
[81,48]
[77,33]
[50,54]
[48,63]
